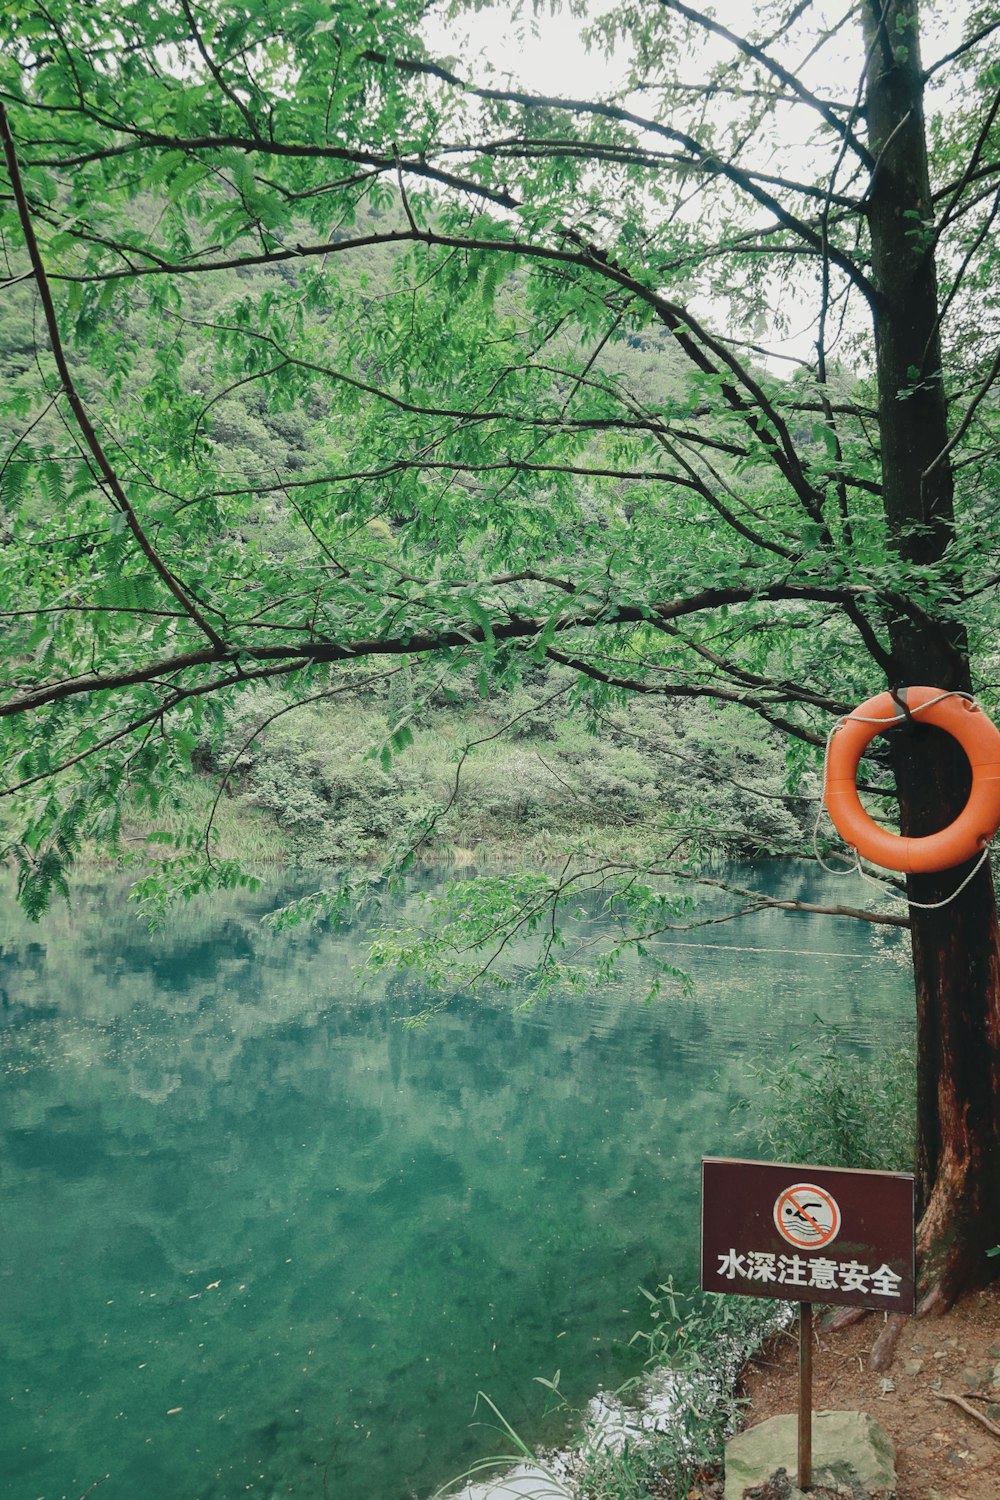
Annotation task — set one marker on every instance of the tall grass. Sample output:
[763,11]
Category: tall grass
[240,831]
[830,1107]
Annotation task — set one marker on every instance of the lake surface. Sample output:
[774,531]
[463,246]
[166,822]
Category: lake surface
[260,1238]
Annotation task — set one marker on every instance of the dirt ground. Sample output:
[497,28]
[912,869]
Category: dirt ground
[942,1453]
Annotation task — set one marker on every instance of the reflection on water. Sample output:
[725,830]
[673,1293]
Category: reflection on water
[259,1238]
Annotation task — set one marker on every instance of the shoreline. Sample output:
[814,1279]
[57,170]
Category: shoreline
[938,1442]
[658,1413]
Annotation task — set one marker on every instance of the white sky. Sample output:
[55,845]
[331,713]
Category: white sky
[545,54]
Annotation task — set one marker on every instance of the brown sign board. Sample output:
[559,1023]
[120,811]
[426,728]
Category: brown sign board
[808,1234]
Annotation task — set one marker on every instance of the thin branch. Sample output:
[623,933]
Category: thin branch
[153,716]
[144,140]
[971,252]
[714,771]
[962,48]
[228,390]
[790,692]
[79,411]
[685,690]
[970,1411]
[444,808]
[971,166]
[877,919]
[453,466]
[706,160]
[215,70]
[27,433]
[789,80]
[967,420]
[92,1487]
[701,347]
[287,708]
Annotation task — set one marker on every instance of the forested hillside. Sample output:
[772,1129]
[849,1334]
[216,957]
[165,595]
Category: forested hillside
[528,772]
[510,781]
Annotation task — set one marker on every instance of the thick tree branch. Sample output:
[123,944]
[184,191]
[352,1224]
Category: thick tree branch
[514,628]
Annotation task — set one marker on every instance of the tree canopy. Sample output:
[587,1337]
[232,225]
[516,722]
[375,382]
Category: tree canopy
[684,389]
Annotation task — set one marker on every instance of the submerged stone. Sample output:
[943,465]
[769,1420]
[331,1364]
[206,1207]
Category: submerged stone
[852,1455]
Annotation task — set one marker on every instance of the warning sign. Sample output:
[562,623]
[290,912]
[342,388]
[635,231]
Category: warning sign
[807,1216]
[808,1234]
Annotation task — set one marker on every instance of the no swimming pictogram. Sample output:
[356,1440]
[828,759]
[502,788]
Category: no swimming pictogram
[807,1216]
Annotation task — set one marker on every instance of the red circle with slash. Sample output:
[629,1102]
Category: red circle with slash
[807,1216]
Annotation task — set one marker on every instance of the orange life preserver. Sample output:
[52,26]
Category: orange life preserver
[976,823]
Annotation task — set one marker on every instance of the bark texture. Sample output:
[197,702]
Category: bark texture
[956,949]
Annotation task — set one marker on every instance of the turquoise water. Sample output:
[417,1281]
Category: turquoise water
[259,1238]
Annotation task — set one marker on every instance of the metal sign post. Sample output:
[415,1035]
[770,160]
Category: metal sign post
[805,1476]
[809,1234]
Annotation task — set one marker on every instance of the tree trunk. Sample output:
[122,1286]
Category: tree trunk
[956,950]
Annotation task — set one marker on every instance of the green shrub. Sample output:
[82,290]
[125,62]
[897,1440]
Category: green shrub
[696,1348]
[830,1107]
